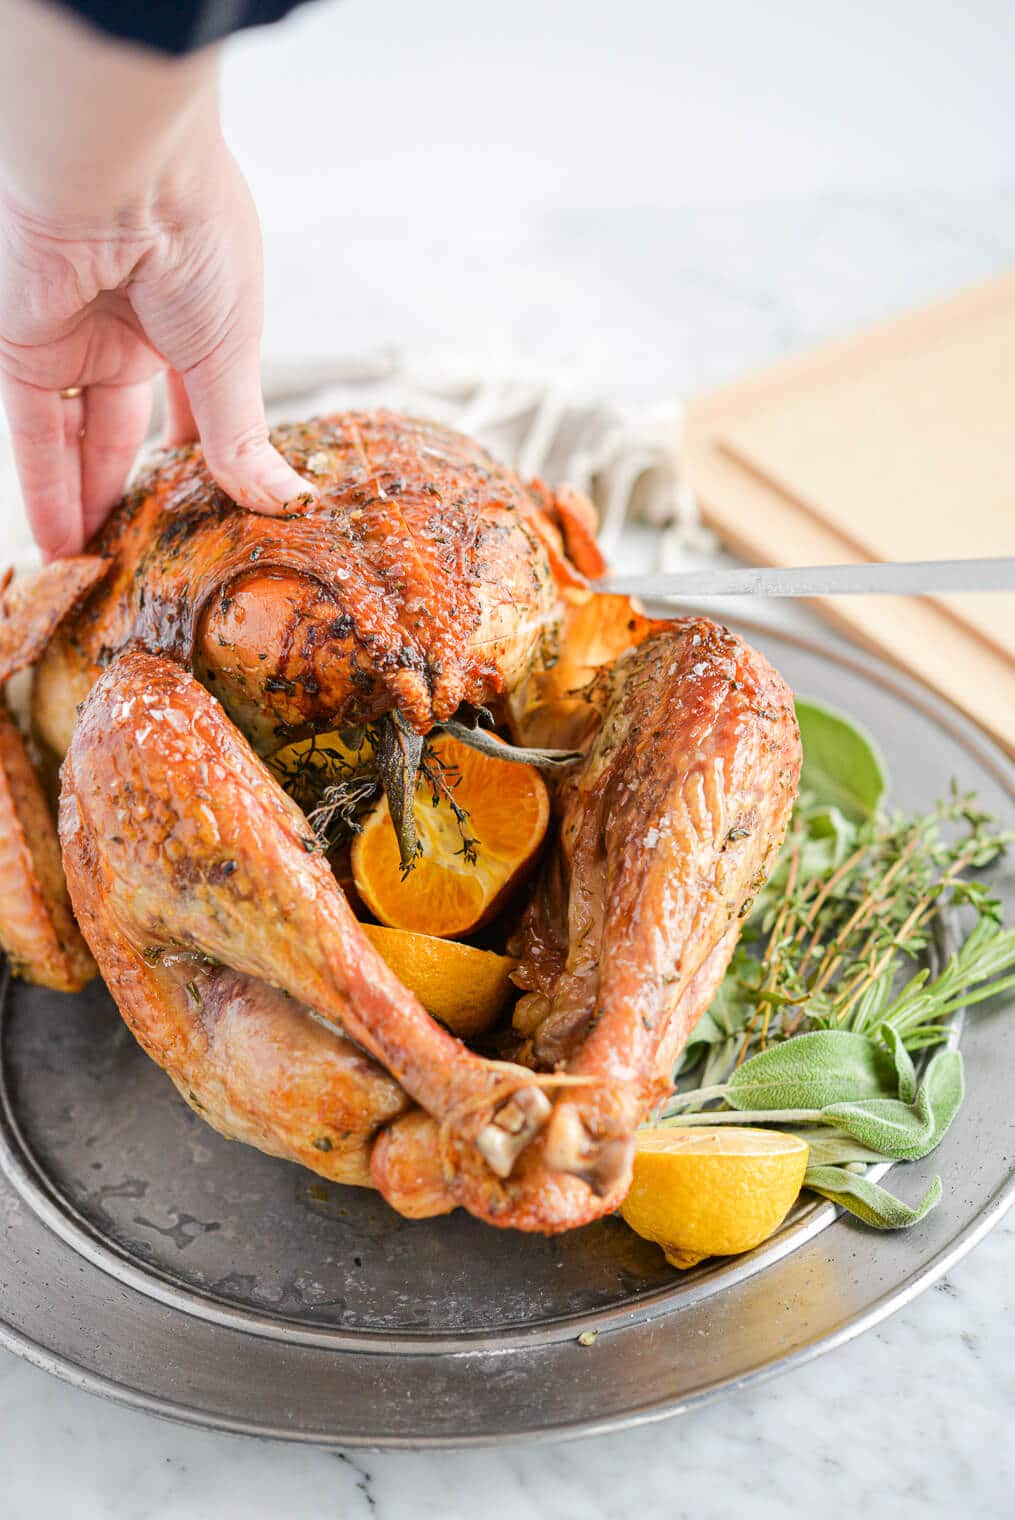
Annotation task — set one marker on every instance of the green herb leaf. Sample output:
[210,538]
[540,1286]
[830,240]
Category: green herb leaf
[904,1068]
[941,1093]
[902,1130]
[988,951]
[873,1204]
[813,1070]
[729,1010]
[842,767]
[833,1147]
[399,751]
[885,1125]
[830,837]
[488,744]
[830,977]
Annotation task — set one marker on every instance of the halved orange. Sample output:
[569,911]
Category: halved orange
[599,626]
[305,768]
[468,868]
[464,987]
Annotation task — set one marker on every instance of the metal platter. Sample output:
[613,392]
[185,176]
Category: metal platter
[147,1259]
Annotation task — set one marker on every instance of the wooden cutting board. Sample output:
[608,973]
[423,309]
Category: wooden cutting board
[898,443]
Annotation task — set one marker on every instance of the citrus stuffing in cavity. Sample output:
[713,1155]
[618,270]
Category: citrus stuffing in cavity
[464,987]
[713,1191]
[469,865]
[305,768]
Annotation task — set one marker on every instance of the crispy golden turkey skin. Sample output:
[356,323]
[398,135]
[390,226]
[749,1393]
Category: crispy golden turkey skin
[419,576]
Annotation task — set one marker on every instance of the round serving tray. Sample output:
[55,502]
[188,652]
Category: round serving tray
[147,1259]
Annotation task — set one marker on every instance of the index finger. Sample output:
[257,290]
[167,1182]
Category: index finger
[38,421]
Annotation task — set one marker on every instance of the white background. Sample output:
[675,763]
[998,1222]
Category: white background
[565,181]
[447,105]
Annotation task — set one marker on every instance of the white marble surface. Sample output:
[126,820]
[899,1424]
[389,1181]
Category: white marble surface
[913,1418]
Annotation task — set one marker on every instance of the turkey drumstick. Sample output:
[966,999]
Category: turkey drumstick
[168,817]
[667,832]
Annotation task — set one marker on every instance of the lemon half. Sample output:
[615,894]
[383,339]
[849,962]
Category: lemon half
[713,1191]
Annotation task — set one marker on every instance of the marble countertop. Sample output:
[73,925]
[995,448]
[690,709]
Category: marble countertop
[914,1416]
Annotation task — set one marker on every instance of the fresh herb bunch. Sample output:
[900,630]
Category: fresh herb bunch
[828,991]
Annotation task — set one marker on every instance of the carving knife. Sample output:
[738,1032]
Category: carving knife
[883,578]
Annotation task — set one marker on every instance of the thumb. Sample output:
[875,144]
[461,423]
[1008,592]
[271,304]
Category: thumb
[224,392]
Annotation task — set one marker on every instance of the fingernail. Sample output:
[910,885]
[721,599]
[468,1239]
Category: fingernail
[296,506]
[285,499]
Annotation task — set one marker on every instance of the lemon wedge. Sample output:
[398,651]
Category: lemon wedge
[712,1191]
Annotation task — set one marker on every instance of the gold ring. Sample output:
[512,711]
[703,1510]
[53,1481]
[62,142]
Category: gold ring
[72,392]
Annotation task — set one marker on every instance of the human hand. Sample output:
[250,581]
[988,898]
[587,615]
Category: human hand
[115,267]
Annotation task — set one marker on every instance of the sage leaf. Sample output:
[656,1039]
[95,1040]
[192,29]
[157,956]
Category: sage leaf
[873,1204]
[901,1130]
[813,1070]
[830,838]
[842,767]
[488,744]
[941,1093]
[835,1148]
[885,1125]
[399,751]
[730,1010]
[905,1071]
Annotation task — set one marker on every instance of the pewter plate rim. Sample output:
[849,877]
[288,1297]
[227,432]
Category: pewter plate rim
[559,1336]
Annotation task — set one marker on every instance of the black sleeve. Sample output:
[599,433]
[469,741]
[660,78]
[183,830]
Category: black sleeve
[177,26]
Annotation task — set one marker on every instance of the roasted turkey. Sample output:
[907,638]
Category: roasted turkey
[420,580]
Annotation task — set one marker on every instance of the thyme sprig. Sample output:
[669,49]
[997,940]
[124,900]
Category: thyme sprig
[847,907]
[443,779]
[337,816]
[307,771]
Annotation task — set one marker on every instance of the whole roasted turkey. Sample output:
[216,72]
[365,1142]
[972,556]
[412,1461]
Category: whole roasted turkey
[195,639]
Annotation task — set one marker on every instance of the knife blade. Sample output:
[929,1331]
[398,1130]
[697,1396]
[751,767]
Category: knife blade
[891,578]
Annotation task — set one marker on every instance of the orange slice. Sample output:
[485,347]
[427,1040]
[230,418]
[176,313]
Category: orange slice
[464,987]
[455,887]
